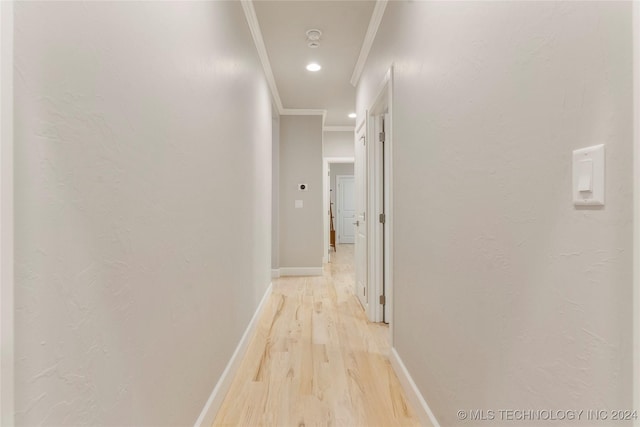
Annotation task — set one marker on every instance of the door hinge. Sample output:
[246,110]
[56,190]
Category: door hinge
[381,136]
[364,291]
[382,218]
[383,300]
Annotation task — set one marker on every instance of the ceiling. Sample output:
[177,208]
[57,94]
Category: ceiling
[343,24]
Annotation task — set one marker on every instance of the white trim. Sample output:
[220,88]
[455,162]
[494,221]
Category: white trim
[382,104]
[374,207]
[258,40]
[360,169]
[374,24]
[208,414]
[389,206]
[256,33]
[636,208]
[305,112]
[302,112]
[339,159]
[339,129]
[301,271]
[275,273]
[419,405]
[6,216]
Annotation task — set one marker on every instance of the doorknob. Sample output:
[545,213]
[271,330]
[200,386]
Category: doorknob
[357,223]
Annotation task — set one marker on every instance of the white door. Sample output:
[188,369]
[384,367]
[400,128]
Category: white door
[346,208]
[360,169]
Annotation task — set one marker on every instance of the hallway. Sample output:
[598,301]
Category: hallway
[165,212]
[316,360]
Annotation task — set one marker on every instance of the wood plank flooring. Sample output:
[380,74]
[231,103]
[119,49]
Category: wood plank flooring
[315,360]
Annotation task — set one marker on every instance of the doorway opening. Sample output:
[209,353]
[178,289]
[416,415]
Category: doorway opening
[361,253]
[379,206]
[342,214]
[377,161]
[332,168]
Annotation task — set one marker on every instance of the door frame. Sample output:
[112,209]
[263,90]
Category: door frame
[6,215]
[381,243]
[326,161]
[361,136]
[339,228]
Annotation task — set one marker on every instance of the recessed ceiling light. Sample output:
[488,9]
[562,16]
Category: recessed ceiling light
[352,115]
[314,67]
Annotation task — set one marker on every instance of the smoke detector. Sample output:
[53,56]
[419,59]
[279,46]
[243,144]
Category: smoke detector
[313,38]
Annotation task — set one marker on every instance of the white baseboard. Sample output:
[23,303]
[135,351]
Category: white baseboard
[301,271]
[275,273]
[219,392]
[419,405]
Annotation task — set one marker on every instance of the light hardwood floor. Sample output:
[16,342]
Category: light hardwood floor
[315,360]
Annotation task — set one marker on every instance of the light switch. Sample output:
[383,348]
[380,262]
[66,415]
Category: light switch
[585,175]
[298,204]
[588,176]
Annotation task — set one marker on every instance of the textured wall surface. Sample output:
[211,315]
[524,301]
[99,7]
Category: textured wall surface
[506,295]
[143,207]
[301,242]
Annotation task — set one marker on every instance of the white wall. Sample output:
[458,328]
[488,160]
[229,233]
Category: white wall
[505,294]
[138,265]
[6,215]
[338,144]
[301,243]
[636,210]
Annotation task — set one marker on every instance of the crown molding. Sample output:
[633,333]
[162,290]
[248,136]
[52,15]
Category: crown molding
[256,33]
[374,24]
[339,128]
[304,112]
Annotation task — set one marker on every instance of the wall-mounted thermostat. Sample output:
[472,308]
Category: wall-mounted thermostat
[303,187]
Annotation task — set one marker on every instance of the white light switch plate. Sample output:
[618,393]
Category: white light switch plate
[299,204]
[588,176]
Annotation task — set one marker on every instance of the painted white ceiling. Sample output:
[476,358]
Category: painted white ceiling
[343,25]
